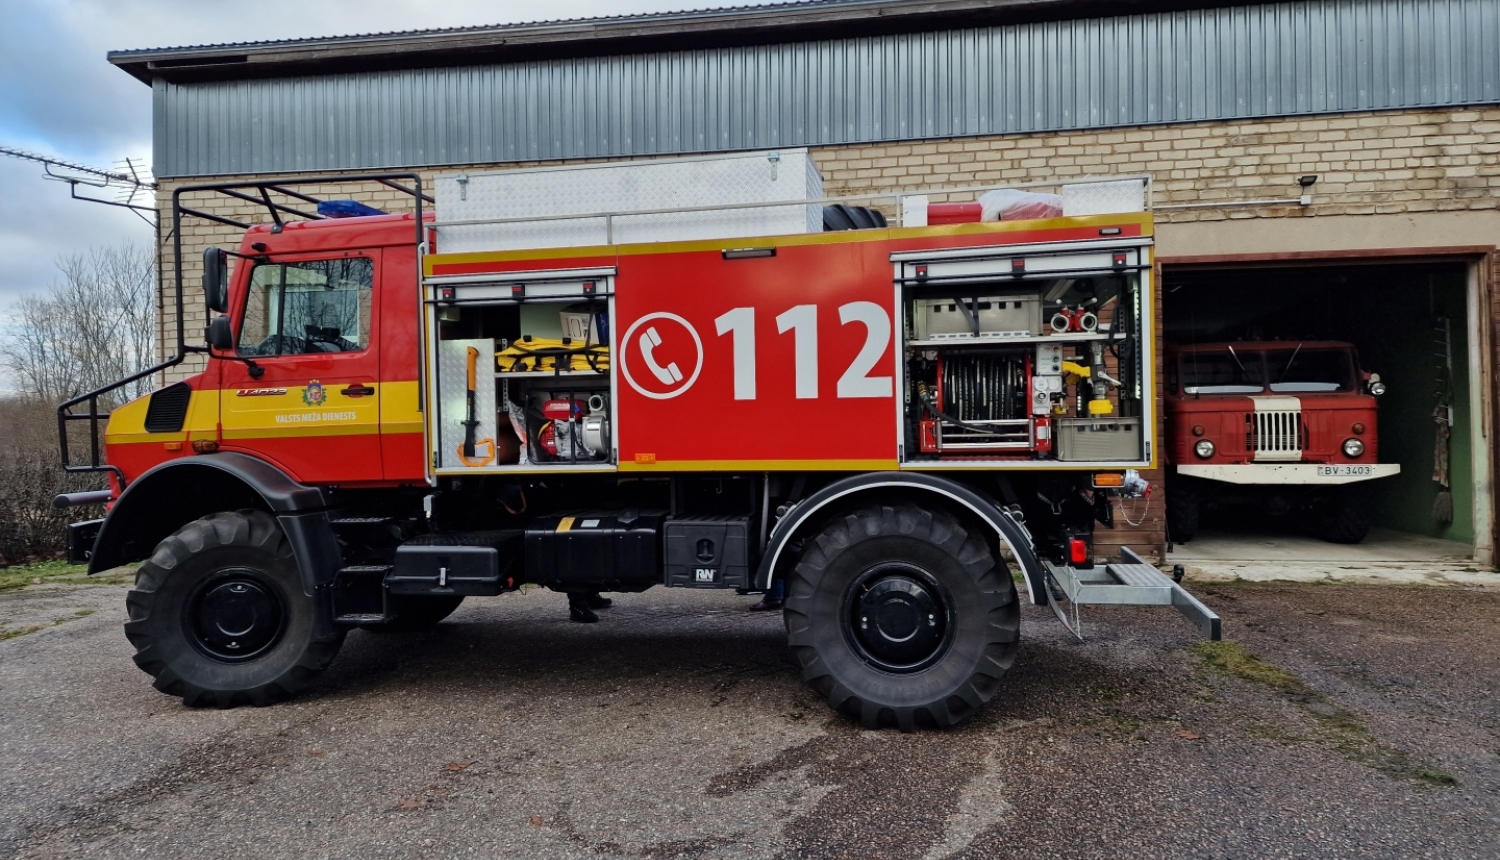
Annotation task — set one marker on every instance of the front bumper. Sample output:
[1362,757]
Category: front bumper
[1291,473]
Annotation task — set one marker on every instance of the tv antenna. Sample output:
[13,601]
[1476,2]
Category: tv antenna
[131,181]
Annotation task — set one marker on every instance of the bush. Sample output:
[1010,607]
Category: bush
[30,476]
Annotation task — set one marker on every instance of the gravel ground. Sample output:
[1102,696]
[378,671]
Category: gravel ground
[678,727]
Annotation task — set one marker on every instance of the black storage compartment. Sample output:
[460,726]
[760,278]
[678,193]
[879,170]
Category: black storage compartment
[81,539]
[469,563]
[614,551]
[709,552]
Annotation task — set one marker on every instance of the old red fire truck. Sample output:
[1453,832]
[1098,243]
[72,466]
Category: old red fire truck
[399,412]
[1286,426]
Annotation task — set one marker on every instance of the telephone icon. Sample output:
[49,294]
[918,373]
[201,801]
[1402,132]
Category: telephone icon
[649,341]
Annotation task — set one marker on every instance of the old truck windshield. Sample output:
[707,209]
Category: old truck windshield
[1226,372]
[1306,371]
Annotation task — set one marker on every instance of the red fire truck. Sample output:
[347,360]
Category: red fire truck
[1287,426]
[891,421]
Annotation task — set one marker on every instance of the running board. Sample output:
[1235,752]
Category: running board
[1130,583]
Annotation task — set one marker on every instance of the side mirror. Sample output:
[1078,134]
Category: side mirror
[220,336]
[216,280]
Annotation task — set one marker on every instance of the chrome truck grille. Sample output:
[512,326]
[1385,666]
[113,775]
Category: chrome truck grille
[1275,435]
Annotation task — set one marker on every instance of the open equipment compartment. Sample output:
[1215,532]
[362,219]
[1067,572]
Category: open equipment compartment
[1025,355]
[521,372]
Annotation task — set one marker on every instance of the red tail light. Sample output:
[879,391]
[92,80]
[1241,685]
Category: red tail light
[1078,551]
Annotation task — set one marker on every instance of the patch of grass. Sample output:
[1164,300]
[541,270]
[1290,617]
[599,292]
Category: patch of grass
[1231,658]
[126,577]
[1273,731]
[1337,727]
[1118,724]
[21,575]
[17,632]
[1431,775]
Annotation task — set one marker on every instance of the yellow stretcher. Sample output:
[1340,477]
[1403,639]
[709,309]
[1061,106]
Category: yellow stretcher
[548,354]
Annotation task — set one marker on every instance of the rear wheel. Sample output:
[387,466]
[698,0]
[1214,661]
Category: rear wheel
[218,615]
[417,613]
[900,617]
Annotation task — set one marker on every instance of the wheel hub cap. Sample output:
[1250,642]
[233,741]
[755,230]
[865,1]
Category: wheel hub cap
[897,618]
[236,618]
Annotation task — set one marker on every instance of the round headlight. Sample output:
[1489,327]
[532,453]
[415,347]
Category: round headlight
[1205,449]
[1353,447]
[1377,388]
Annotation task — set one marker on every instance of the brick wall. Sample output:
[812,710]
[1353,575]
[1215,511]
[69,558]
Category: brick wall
[1371,164]
[1366,164]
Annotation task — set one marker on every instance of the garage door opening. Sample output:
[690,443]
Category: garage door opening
[1409,325]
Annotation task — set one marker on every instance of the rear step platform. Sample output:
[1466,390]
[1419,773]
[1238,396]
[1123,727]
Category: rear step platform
[1130,583]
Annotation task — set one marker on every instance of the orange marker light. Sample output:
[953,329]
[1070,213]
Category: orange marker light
[172,446]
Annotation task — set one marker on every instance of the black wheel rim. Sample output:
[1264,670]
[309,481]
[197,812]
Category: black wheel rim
[898,617]
[235,615]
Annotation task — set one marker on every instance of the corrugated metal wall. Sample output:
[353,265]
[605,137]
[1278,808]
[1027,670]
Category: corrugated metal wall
[1250,61]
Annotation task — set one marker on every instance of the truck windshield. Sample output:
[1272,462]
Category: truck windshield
[1226,372]
[1308,371]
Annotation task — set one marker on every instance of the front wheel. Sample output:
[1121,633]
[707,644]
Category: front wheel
[218,615]
[1340,519]
[1184,510]
[900,617]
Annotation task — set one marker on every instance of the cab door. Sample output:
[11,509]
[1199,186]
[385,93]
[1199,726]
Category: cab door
[309,323]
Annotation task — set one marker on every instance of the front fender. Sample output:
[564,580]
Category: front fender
[179,491]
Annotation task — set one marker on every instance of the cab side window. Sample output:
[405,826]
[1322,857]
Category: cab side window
[308,307]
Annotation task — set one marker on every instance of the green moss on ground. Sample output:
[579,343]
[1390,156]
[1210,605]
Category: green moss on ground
[1231,658]
[1336,727]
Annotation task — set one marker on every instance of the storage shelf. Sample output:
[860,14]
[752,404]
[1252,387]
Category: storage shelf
[547,374]
[1074,337]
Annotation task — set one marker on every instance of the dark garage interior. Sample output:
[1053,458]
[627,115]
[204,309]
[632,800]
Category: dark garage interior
[1404,319]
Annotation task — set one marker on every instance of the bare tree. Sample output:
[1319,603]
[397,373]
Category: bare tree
[96,326]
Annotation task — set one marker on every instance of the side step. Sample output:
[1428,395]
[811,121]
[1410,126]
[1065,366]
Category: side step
[358,594]
[1130,583]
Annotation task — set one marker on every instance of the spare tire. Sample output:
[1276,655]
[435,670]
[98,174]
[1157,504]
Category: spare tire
[841,217]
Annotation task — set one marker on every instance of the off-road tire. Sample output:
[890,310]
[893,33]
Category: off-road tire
[204,557]
[1341,520]
[1184,511]
[978,592]
[416,613]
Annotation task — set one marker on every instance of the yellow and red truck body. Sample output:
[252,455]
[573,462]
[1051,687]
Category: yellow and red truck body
[879,420]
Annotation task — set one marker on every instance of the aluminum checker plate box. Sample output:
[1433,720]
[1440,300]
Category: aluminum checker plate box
[593,189]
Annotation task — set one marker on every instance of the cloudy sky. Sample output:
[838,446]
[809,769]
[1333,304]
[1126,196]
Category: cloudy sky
[60,97]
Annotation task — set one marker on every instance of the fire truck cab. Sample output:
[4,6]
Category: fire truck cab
[899,423]
[1285,425]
